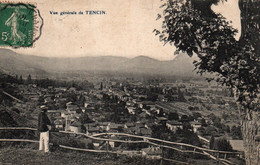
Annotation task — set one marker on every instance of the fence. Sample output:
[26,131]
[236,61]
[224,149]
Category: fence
[179,147]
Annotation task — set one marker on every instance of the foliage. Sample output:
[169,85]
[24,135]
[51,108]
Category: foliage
[222,144]
[236,132]
[6,119]
[162,132]
[29,79]
[193,28]
[7,84]
[79,85]
[90,145]
[173,116]
[190,137]
[210,130]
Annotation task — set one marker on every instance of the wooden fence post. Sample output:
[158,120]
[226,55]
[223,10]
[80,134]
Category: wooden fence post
[161,155]
[218,162]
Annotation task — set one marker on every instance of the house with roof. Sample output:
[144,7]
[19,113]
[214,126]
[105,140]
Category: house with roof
[139,104]
[113,127]
[162,98]
[152,152]
[75,116]
[174,125]
[104,124]
[47,99]
[55,113]
[75,127]
[61,89]
[147,112]
[143,115]
[140,125]
[33,96]
[59,124]
[72,89]
[129,104]
[162,120]
[113,144]
[150,124]
[71,108]
[139,128]
[195,125]
[150,104]
[146,132]
[92,130]
[64,114]
[96,143]
[131,110]
[130,130]
[128,125]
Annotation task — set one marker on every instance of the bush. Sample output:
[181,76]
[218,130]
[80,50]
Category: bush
[90,146]
[222,144]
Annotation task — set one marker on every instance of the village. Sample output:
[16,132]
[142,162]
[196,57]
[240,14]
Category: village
[137,107]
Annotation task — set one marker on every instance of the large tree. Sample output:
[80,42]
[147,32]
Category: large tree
[194,28]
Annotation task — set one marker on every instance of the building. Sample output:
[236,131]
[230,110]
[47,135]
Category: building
[128,125]
[152,152]
[76,127]
[71,107]
[92,130]
[174,125]
[131,110]
[113,127]
[195,125]
[59,124]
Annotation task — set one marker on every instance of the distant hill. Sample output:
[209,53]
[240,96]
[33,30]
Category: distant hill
[11,62]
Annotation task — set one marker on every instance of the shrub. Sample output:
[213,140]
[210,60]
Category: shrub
[222,144]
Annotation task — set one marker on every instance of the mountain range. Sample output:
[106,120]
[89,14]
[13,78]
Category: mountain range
[14,63]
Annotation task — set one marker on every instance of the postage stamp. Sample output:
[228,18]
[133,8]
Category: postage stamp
[19,24]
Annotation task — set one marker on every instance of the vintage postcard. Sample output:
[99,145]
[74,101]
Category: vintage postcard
[129,82]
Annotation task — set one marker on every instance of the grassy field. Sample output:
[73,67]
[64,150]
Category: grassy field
[28,155]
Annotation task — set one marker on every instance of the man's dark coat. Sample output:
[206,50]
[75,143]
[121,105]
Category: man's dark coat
[43,121]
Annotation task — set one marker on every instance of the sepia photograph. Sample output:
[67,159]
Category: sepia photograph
[130,82]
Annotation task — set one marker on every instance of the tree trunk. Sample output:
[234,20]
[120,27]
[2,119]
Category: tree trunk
[250,124]
[250,10]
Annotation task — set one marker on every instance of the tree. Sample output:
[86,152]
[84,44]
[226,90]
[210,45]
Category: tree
[101,86]
[21,79]
[173,116]
[16,78]
[184,118]
[190,137]
[29,79]
[194,28]
[196,115]
[236,132]
[222,144]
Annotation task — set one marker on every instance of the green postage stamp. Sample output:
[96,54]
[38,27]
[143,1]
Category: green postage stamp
[19,24]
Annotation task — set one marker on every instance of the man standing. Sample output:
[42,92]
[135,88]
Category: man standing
[43,124]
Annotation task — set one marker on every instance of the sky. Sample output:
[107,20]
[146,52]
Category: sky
[125,30]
